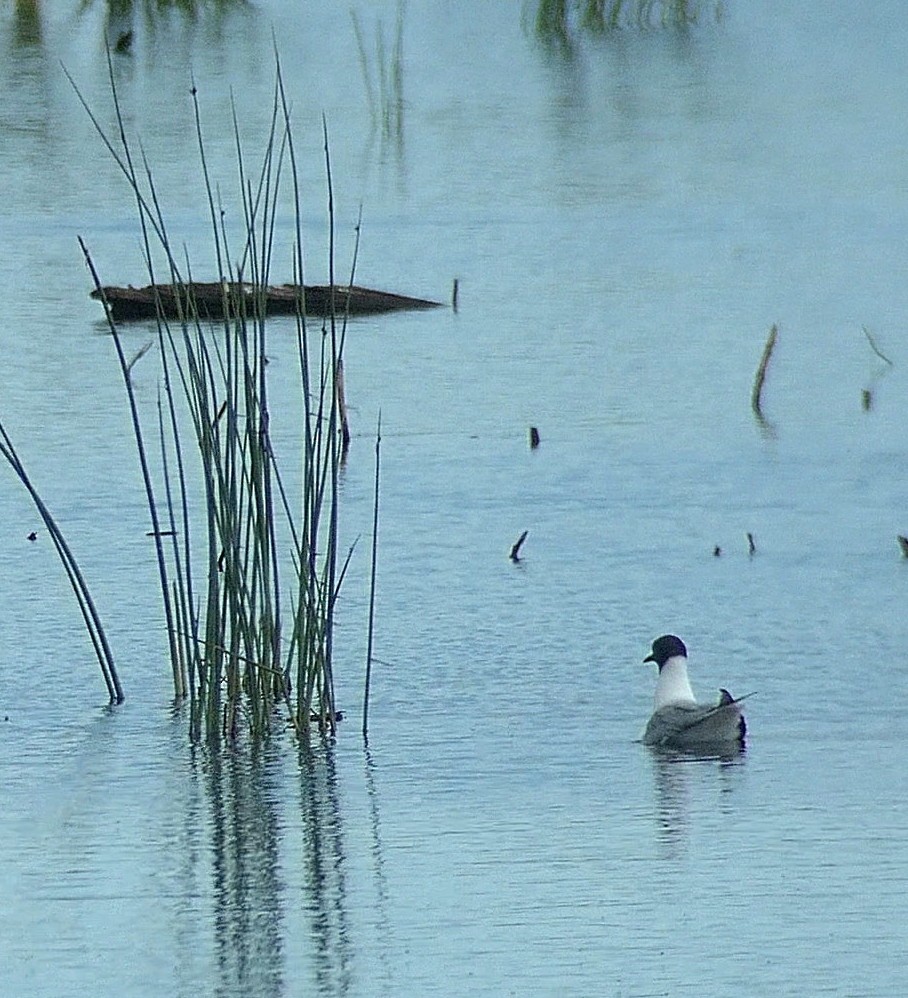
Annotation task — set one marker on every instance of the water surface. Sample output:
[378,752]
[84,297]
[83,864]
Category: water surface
[627,216]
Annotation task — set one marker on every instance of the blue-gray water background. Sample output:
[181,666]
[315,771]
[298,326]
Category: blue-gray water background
[627,214]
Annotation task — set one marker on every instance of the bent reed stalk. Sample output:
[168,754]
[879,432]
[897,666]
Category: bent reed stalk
[230,526]
[76,579]
[756,394]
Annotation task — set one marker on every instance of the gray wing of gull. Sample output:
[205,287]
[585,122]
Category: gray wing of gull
[684,725]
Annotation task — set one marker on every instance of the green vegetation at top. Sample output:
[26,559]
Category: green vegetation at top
[151,7]
[561,20]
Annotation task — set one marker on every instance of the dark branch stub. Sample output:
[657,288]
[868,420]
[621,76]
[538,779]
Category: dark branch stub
[515,550]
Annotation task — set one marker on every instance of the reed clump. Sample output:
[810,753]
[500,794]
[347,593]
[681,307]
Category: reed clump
[249,569]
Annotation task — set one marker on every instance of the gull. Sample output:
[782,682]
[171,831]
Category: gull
[678,721]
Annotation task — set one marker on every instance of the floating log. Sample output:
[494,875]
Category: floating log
[216,299]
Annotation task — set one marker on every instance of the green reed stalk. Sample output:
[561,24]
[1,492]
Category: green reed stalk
[146,477]
[127,167]
[756,394]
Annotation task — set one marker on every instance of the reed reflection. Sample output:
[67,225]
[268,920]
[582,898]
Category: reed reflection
[381,881]
[249,896]
[383,82]
[26,69]
[324,878]
[27,26]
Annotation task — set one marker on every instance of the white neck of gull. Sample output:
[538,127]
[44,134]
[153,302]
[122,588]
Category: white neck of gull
[673,685]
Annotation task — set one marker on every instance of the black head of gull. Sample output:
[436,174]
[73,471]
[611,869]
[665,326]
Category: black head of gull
[678,721]
[666,647]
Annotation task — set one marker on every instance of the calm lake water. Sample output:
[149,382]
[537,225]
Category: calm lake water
[627,215]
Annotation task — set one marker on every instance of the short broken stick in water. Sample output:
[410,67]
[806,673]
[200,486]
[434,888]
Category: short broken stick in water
[515,550]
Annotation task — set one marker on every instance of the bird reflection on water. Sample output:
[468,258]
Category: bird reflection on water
[677,775]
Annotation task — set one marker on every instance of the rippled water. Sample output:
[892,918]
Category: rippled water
[627,215]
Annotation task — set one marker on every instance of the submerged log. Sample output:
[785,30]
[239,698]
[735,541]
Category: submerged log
[215,300]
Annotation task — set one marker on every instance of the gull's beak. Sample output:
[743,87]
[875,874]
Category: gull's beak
[650,658]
